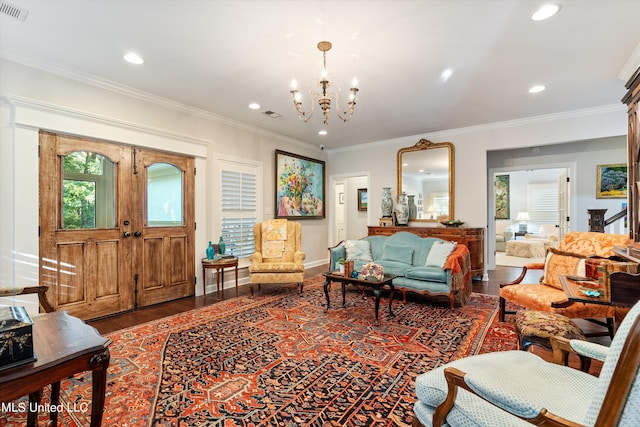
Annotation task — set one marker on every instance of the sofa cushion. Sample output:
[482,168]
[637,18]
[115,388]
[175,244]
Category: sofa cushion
[439,253]
[358,250]
[397,253]
[562,263]
[397,268]
[431,274]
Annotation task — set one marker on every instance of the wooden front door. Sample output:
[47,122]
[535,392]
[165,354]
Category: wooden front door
[99,253]
[164,248]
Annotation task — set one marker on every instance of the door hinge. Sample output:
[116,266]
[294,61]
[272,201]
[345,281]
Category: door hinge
[195,280]
[568,179]
[568,219]
[195,226]
[135,162]
[38,231]
[39,147]
[194,171]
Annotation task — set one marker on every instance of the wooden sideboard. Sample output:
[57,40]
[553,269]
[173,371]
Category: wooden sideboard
[472,238]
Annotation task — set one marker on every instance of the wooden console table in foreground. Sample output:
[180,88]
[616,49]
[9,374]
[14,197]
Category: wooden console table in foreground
[64,346]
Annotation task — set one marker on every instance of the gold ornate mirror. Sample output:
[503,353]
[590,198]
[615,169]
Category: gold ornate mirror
[426,171]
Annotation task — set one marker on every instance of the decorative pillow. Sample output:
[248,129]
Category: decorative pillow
[439,253]
[562,263]
[398,253]
[358,249]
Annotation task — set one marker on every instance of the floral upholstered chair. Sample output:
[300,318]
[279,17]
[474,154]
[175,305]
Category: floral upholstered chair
[517,388]
[568,259]
[278,257]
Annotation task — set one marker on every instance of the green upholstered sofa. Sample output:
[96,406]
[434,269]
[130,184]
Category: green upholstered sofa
[407,256]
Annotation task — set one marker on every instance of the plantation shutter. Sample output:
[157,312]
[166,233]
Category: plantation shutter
[239,211]
[543,202]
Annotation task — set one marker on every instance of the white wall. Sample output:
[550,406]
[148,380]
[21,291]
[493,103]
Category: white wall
[61,104]
[356,220]
[471,147]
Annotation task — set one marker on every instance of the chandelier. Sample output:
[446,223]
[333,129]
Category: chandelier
[324,96]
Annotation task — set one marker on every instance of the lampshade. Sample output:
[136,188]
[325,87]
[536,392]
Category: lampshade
[523,216]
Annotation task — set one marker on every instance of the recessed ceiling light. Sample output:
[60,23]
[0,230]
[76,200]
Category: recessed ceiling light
[545,12]
[537,88]
[133,58]
[444,76]
[254,106]
[322,132]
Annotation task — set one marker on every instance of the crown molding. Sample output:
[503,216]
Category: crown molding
[144,96]
[446,134]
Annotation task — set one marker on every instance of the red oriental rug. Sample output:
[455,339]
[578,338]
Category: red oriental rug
[280,360]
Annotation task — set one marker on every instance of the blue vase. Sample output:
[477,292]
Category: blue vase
[210,251]
[221,246]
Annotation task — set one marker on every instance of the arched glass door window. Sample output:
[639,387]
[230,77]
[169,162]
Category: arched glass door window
[164,196]
[88,191]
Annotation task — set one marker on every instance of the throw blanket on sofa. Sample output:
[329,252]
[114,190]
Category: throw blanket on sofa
[460,266]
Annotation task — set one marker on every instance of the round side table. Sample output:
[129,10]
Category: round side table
[219,265]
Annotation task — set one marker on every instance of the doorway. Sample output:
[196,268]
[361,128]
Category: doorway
[349,218]
[116,225]
[528,201]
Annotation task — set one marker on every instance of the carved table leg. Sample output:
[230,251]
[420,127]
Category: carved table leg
[391,300]
[376,293]
[99,363]
[327,286]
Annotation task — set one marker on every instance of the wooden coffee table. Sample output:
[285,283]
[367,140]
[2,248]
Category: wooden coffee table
[332,276]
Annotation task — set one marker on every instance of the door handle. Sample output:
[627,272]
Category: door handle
[126,234]
[137,234]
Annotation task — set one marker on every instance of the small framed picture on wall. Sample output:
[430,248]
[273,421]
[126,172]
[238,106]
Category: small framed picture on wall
[362,199]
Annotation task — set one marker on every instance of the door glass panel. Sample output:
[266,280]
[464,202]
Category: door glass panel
[88,191]
[164,195]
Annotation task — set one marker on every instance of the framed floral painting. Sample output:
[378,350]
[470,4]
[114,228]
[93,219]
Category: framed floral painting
[299,186]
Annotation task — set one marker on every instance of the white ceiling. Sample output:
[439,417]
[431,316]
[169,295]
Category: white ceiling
[218,56]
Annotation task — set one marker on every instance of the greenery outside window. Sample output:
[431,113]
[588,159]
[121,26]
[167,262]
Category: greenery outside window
[88,191]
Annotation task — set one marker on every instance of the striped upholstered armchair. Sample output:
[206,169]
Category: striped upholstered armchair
[278,257]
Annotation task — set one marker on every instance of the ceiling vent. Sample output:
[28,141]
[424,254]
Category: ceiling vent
[272,114]
[13,11]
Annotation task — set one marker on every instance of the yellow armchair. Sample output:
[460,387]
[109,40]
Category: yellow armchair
[278,257]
